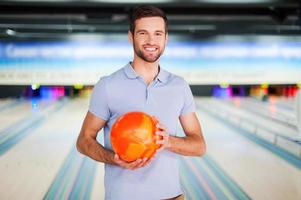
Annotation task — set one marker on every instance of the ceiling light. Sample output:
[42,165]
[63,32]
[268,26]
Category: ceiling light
[236,1]
[10,32]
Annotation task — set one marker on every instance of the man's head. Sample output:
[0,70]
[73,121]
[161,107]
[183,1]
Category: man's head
[148,32]
[146,11]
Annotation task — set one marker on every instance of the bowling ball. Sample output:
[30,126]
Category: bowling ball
[133,136]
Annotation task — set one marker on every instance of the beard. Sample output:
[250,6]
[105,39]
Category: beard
[145,57]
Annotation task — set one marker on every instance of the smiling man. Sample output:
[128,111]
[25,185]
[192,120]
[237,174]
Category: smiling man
[142,85]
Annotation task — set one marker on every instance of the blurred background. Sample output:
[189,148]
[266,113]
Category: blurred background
[242,59]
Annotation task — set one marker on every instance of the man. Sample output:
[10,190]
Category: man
[142,85]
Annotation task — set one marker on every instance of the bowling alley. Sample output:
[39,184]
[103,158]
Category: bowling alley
[150,100]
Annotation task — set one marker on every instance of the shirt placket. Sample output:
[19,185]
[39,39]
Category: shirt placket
[149,92]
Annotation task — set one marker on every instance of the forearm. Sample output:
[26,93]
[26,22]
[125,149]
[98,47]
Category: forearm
[192,145]
[90,147]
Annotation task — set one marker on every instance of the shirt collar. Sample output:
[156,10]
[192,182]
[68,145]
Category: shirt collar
[163,75]
[131,74]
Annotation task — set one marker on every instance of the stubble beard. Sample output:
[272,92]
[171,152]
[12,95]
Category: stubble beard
[146,58]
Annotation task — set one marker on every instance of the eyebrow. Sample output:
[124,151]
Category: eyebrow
[160,31]
[143,30]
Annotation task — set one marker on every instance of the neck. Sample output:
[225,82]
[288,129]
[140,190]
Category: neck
[145,69]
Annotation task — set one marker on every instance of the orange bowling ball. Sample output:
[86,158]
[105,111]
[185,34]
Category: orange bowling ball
[133,136]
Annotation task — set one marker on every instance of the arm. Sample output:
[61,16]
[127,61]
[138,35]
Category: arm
[88,145]
[193,144]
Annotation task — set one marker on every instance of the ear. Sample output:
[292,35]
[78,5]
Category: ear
[130,37]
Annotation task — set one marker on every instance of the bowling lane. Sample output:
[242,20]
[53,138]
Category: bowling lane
[21,111]
[98,185]
[271,109]
[8,103]
[260,173]
[46,165]
[12,113]
[29,168]
[253,119]
[285,103]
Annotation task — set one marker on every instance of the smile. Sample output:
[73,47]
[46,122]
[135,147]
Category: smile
[150,49]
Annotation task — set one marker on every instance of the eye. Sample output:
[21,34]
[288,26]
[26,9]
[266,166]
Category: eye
[141,33]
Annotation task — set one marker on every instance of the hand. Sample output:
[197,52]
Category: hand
[163,136]
[131,165]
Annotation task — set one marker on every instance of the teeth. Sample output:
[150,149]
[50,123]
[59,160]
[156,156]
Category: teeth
[150,49]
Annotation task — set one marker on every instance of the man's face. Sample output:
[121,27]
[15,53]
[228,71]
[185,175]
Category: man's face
[149,38]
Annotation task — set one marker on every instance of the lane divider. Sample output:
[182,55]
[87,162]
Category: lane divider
[75,178]
[193,190]
[260,111]
[12,135]
[43,106]
[289,157]
[206,180]
[230,184]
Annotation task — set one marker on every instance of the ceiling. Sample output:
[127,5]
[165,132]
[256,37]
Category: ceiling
[198,18]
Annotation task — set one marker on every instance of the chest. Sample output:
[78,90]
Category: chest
[162,101]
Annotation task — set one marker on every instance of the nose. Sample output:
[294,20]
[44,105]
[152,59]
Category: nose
[151,39]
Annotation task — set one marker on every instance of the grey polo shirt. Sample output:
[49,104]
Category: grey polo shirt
[167,97]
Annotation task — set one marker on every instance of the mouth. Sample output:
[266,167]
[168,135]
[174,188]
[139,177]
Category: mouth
[150,49]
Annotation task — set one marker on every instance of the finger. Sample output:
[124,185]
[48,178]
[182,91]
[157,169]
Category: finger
[146,162]
[160,142]
[120,162]
[117,159]
[161,133]
[155,118]
[134,164]
[161,127]
[138,164]
[161,136]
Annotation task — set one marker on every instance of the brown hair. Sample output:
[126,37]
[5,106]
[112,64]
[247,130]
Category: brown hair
[146,11]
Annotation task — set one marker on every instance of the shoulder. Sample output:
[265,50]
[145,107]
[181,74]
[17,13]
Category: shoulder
[179,83]
[105,80]
[175,79]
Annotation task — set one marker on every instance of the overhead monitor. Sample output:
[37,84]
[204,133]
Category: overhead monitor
[234,61]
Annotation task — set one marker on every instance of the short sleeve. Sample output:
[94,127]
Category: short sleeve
[99,100]
[189,104]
